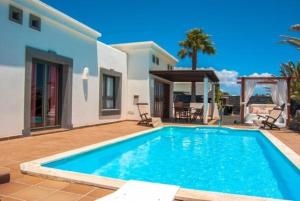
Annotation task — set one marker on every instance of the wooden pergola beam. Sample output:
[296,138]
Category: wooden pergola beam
[261,82]
[263,78]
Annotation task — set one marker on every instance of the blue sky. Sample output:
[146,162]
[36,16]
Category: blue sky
[245,32]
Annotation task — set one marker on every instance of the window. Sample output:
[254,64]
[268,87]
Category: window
[157,61]
[109,92]
[35,22]
[170,67]
[153,59]
[15,14]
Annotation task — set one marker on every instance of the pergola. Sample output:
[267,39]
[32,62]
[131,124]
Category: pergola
[186,75]
[264,81]
[204,76]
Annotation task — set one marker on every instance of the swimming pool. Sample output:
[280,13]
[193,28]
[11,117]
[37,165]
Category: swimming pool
[204,158]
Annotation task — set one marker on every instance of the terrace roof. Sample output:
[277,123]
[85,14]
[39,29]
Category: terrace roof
[186,75]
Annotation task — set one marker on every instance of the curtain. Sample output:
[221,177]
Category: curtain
[279,95]
[249,89]
[33,96]
[52,86]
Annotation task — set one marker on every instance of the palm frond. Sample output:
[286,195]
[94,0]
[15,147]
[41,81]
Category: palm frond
[291,69]
[182,53]
[196,41]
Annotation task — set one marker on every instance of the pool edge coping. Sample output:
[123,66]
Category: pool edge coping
[35,167]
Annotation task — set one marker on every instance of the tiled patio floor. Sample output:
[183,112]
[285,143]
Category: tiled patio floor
[25,187]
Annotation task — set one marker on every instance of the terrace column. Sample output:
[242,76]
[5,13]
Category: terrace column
[213,97]
[205,101]
[242,100]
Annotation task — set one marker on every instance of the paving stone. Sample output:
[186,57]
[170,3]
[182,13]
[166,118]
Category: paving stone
[33,193]
[10,188]
[63,196]
[78,188]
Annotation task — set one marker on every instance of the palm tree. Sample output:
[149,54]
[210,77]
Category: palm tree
[292,40]
[291,69]
[196,41]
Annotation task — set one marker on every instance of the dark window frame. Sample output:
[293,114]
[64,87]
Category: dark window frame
[157,61]
[32,18]
[153,58]
[105,97]
[117,90]
[67,77]
[13,9]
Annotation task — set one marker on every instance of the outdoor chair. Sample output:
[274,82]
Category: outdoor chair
[181,111]
[270,120]
[196,110]
[146,119]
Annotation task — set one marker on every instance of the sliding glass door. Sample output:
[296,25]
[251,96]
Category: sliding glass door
[45,95]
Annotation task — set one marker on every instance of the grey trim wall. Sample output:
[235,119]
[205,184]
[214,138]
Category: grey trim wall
[67,76]
[118,76]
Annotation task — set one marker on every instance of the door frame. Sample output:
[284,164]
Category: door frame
[166,98]
[67,76]
[45,92]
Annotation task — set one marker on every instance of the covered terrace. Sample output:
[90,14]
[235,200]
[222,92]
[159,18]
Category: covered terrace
[207,77]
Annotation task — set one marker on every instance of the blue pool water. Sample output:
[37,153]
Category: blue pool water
[211,159]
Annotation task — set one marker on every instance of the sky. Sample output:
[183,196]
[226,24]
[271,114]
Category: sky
[246,33]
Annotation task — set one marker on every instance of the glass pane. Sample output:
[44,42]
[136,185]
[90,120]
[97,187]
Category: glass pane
[109,104]
[109,92]
[110,86]
[37,93]
[52,99]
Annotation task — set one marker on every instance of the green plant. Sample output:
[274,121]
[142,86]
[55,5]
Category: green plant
[291,69]
[218,96]
[196,41]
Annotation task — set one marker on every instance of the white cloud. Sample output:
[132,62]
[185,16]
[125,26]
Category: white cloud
[261,75]
[228,80]
[227,77]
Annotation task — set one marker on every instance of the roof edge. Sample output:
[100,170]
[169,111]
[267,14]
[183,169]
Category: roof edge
[142,44]
[59,16]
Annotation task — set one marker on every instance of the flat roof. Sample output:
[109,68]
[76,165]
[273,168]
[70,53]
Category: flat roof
[144,44]
[186,75]
[54,14]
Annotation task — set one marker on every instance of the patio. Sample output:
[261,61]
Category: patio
[25,187]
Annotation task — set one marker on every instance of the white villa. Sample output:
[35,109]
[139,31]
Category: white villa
[55,73]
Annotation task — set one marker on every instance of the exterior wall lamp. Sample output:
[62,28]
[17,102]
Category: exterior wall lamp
[85,73]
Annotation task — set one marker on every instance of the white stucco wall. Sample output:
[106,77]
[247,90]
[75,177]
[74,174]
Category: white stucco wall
[67,37]
[55,37]
[163,61]
[138,81]
[113,59]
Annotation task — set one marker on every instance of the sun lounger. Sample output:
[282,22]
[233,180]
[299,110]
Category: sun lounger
[142,191]
[270,120]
